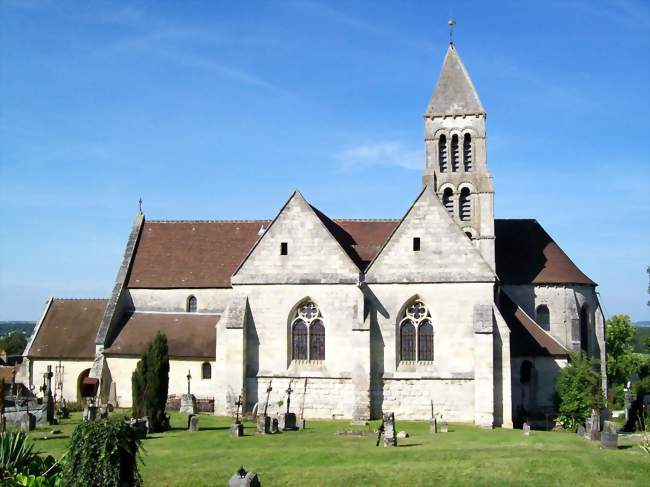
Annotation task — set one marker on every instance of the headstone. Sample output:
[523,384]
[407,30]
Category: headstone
[139,426]
[609,436]
[402,434]
[526,429]
[443,426]
[274,425]
[242,478]
[27,422]
[236,430]
[263,425]
[287,422]
[592,427]
[302,424]
[103,411]
[90,412]
[188,404]
[193,423]
[581,431]
[390,437]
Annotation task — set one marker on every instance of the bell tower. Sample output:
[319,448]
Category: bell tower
[456,163]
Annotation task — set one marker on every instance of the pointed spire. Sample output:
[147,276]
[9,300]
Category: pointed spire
[454,94]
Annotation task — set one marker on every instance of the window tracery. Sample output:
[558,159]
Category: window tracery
[416,334]
[308,333]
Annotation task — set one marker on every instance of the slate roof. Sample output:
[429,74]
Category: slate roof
[527,338]
[189,335]
[526,254]
[454,92]
[68,329]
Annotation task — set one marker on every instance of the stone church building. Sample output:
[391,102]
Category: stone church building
[446,308]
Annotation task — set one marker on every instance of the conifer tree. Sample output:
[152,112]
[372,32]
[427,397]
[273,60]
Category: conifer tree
[150,384]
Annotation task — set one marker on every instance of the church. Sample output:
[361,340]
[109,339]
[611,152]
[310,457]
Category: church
[446,311]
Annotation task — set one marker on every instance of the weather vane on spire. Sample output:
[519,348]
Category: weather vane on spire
[451,24]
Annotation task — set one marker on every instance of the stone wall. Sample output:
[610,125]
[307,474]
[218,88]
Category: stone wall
[175,300]
[536,397]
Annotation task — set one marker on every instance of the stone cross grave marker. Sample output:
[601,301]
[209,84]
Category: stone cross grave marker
[443,425]
[189,379]
[237,429]
[288,419]
[242,478]
[390,436]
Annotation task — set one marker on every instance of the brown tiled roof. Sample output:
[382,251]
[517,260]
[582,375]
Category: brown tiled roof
[69,329]
[526,254]
[205,254]
[191,254]
[188,334]
[527,338]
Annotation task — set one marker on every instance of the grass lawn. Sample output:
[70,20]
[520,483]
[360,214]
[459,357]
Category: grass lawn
[464,456]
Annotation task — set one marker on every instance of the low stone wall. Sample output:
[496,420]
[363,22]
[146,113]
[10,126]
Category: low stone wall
[204,404]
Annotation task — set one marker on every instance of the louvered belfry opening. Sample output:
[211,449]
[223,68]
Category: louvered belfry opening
[454,153]
[467,152]
[448,200]
[465,207]
[442,153]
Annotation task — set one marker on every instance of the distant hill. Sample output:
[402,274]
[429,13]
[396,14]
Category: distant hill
[24,328]
[642,332]
[642,323]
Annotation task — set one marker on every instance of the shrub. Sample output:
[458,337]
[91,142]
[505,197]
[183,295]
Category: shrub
[150,384]
[103,453]
[577,391]
[20,464]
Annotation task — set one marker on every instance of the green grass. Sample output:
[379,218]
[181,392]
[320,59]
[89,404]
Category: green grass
[316,457]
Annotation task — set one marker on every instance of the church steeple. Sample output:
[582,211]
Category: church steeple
[456,162]
[454,93]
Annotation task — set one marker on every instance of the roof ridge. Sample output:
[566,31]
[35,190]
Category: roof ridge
[366,219]
[209,221]
[80,299]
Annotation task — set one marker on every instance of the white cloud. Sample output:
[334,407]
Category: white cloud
[390,153]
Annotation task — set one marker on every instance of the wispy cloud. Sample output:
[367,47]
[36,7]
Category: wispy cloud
[389,153]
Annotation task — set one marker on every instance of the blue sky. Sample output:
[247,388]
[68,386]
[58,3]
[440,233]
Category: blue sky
[218,110]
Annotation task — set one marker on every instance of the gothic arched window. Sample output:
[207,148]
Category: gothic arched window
[206,370]
[467,152]
[442,153]
[416,317]
[192,304]
[454,153]
[307,333]
[465,205]
[543,317]
[584,328]
[448,200]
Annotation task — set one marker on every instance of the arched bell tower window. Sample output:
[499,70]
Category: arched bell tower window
[307,333]
[543,317]
[465,205]
[448,200]
[467,152]
[455,152]
[416,334]
[192,304]
[442,153]
[584,328]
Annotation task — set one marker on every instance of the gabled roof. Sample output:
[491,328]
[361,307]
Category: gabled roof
[68,329]
[526,254]
[527,338]
[189,335]
[454,92]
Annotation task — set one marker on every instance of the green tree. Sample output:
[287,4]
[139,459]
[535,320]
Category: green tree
[621,361]
[13,344]
[577,391]
[150,384]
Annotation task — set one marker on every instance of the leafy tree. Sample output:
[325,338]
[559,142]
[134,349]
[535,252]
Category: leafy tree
[577,391]
[621,361]
[150,384]
[13,344]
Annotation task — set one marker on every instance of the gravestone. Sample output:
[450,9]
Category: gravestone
[274,425]
[139,427]
[263,425]
[188,404]
[592,427]
[402,434]
[90,412]
[609,436]
[581,431]
[287,422]
[433,426]
[236,430]
[302,424]
[242,478]
[526,429]
[390,437]
[193,423]
[27,422]
[443,425]
[103,411]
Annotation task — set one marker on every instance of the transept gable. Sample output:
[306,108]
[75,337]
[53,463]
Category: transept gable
[428,246]
[297,248]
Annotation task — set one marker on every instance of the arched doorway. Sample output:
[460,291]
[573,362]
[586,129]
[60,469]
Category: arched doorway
[85,373]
